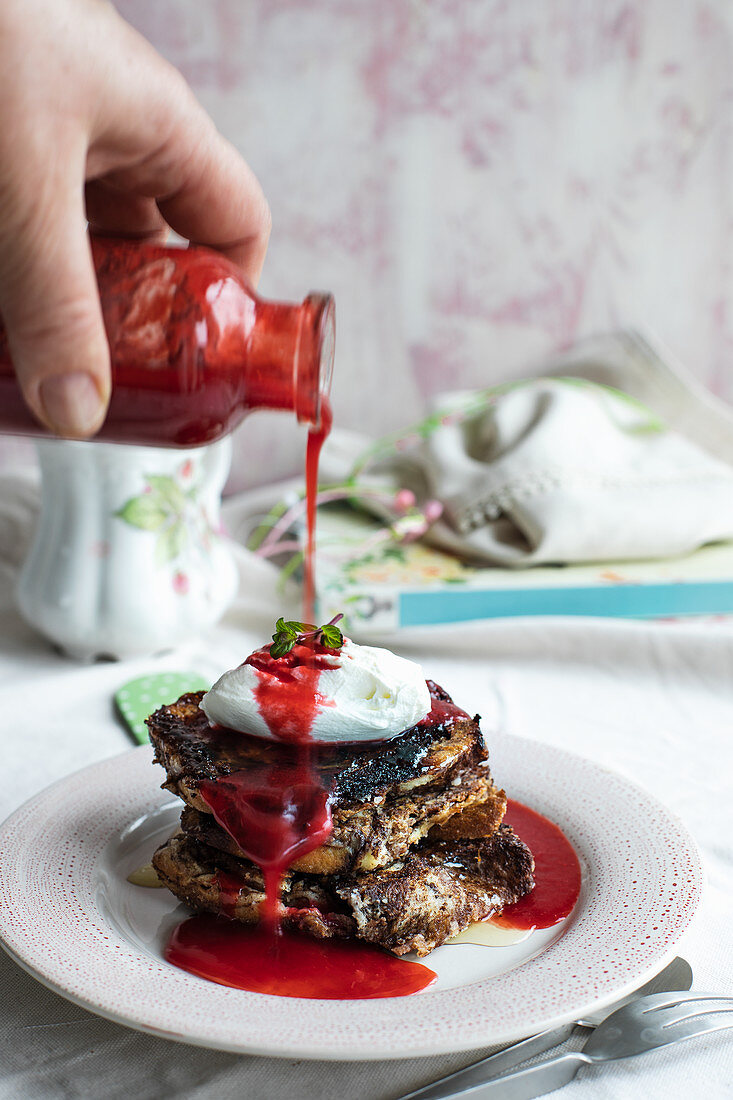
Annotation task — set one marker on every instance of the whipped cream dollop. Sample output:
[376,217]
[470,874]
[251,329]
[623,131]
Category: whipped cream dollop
[357,693]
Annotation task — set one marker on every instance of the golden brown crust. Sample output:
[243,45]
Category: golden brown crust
[481,819]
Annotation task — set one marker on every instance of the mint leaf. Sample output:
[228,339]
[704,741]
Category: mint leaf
[331,636]
[281,644]
[301,628]
[284,638]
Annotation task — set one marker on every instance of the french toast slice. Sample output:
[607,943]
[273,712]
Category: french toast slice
[384,796]
[414,904]
[373,835]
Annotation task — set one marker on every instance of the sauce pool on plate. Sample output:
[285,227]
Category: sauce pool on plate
[290,965]
[557,872]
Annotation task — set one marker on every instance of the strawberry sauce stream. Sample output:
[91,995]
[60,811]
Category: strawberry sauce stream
[316,439]
[276,814]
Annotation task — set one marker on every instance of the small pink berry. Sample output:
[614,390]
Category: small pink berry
[187,468]
[404,500]
[180,584]
[433,510]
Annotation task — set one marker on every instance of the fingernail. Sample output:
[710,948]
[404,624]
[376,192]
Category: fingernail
[71,403]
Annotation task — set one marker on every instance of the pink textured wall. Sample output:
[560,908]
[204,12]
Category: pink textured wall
[478,183]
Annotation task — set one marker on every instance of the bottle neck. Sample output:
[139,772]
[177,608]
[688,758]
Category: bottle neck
[290,353]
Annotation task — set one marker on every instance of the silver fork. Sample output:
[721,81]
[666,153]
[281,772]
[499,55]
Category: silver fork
[643,1025]
[676,977]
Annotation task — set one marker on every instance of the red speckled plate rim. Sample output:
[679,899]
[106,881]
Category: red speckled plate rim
[642,886]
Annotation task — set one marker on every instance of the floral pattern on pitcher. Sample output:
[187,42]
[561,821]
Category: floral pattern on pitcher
[170,508]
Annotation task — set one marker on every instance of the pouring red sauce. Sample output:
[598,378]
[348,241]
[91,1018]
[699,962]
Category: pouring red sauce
[316,439]
[276,814]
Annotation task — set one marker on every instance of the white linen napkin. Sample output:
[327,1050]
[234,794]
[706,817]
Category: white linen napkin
[563,469]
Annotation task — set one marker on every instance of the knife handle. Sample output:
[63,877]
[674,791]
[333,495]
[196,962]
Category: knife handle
[524,1084]
[502,1060]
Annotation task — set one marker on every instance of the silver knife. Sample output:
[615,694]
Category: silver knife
[677,975]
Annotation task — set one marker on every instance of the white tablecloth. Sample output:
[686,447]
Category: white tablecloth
[654,701]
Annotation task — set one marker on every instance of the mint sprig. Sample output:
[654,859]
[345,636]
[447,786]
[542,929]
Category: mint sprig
[289,633]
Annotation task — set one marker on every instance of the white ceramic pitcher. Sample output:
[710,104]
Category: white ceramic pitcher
[128,557]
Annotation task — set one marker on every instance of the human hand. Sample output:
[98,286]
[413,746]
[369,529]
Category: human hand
[95,120]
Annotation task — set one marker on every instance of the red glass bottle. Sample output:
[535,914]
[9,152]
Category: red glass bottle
[193,348]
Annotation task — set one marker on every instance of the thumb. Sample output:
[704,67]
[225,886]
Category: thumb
[50,306]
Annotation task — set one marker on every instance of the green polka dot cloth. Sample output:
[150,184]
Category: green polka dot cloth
[139,698]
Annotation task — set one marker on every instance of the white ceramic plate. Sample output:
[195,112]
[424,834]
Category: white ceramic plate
[68,915]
